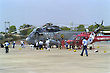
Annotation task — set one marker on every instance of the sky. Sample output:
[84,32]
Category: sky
[58,12]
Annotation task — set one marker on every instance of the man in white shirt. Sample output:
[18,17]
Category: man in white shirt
[84,42]
[40,44]
[22,44]
[48,44]
[6,47]
[37,45]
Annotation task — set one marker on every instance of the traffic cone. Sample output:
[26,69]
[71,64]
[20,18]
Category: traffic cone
[69,49]
[41,48]
[97,46]
[105,51]
[19,48]
[74,50]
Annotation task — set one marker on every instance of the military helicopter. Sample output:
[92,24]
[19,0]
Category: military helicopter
[49,31]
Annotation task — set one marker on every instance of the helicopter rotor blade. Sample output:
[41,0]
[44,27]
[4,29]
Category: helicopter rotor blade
[96,23]
[102,22]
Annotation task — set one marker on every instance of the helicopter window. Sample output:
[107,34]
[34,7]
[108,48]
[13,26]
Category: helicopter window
[78,38]
[82,37]
[1,37]
[32,33]
[73,38]
[39,30]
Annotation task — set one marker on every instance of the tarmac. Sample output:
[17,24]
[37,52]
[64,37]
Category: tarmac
[30,60]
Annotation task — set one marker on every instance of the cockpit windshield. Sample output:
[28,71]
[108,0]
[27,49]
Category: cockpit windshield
[1,37]
[32,33]
[39,30]
[73,38]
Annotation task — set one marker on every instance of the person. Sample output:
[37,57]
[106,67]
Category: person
[73,46]
[63,44]
[57,44]
[2,46]
[66,45]
[22,44]
[84,42]
[6,47]
[48,44]
[13,44]
[37,45]
[40,44]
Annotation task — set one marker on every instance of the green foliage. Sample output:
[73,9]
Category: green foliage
[26,32]
[81,28]
[24,26]
[65,28]
[2,32]
[25,29]
[12,29]
[91,28]
[29,31]
[106,28]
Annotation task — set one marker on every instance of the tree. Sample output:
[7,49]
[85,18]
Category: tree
[81,28]
[48,24]
[26,29]
[106,28]
[65,28]
[12,29]
[91,28]
[75,29]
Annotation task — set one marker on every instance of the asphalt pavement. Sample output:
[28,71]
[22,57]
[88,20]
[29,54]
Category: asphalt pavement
[30,60]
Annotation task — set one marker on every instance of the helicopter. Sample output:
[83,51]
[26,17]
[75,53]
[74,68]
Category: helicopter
[49,31]
[91,37]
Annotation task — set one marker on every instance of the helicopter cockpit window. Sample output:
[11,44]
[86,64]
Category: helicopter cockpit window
[73,38]
[78,38]
[32,33]
[39,30]
[1,37]
[82,37]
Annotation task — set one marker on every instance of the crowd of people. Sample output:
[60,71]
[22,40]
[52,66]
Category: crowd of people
[43,44]
[46,45]
[7,44]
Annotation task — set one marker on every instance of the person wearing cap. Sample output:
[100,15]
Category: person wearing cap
[84,42]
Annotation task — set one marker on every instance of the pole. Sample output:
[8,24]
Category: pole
[5,26]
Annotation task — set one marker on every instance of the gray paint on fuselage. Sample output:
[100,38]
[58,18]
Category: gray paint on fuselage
[50,35]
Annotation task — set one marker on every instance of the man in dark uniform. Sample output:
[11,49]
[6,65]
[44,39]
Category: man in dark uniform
[84,42]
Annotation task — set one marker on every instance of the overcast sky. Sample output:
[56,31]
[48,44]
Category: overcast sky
[39,12]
